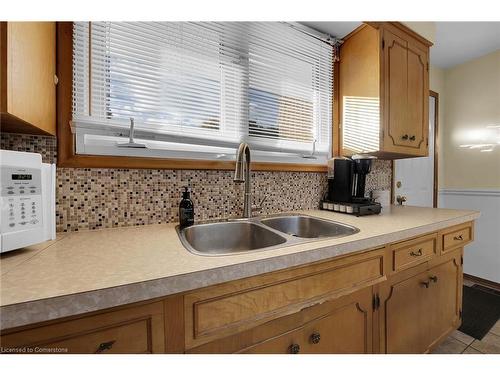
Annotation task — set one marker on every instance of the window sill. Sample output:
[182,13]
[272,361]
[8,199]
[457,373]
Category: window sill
[90,161]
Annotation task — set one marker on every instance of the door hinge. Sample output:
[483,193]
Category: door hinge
[460,313]
[383,43]
[462,260]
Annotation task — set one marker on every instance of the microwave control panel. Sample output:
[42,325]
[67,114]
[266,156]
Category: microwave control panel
[21,196]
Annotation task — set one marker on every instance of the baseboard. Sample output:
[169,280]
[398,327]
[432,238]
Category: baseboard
[479,280]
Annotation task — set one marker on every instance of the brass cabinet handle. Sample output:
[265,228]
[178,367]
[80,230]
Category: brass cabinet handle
[315,338]
[105,346]
[434,279]
[425,284]
[418,253]
[412,138]
[404,137]
[294,348]
[458,238]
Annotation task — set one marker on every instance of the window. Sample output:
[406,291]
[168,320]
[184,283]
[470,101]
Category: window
[196,90]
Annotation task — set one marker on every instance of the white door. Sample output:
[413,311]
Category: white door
[414,178]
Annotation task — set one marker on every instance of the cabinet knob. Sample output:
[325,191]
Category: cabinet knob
[315,338]
[434,279]
[104,346]
[417,253]
[425,284]
[404,137]
[412,138]
[294,348]
[458,238]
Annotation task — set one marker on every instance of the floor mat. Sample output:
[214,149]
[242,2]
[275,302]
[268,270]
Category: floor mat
[481,310]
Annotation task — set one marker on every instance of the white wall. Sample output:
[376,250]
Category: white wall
[468,178]
[482,257]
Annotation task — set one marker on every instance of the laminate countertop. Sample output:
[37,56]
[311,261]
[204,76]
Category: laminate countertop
[87,271]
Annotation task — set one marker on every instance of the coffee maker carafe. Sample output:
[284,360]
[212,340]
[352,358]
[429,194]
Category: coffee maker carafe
[362,166]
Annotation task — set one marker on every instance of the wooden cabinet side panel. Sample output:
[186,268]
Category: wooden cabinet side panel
[359,74]
[31,54]
[3,66]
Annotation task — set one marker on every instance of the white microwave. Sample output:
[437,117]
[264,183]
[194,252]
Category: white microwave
[28,204]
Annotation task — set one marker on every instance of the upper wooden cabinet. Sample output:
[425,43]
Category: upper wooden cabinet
[27,77]
[384,90]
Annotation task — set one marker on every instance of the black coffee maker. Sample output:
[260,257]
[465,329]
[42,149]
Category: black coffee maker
[362,166]
[346,186]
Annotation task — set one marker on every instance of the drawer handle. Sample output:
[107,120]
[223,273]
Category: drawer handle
[458,238]
[404,137]
[294,348]
[105,346]
[315,338]
[425,284]
[412,138]
[434,279]
[418,253]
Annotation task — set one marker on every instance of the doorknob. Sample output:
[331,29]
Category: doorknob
[400,199]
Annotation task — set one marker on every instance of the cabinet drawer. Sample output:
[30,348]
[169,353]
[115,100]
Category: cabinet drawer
[410,253]
[457,237]
[137,329]
[226,309]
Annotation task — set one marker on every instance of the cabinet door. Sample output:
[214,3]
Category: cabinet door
[405,87]
[404,315]
[418,100]
[30,76]
[346,328]
[444,298]
[396,88]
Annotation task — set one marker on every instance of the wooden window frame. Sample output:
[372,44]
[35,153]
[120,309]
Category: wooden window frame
[67,157]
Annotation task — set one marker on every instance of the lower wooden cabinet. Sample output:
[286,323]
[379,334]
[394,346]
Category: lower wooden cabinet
[138,329]
[346,329]
[402,298]
[418,311]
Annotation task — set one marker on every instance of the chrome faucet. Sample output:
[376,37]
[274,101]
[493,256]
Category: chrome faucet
[242,174]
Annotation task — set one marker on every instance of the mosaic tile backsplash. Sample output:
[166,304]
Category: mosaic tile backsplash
[104,198]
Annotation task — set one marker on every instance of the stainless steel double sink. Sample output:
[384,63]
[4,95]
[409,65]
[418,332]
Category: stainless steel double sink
[245,235]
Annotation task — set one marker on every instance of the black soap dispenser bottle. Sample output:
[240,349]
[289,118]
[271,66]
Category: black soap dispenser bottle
[186,209]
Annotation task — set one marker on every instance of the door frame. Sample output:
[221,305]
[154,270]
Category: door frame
[435,95]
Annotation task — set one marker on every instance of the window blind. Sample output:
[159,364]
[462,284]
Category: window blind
[198,89]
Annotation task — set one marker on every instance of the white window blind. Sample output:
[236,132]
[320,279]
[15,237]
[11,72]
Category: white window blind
[196,90]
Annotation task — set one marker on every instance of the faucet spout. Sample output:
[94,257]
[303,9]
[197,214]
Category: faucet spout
[242,174]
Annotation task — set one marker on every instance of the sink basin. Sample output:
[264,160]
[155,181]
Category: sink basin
[228,237]
[308,227]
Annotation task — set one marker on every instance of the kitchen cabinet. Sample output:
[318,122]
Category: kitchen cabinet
[345,329]
[132,329]
[384,90]
[380,300]
[434,311]
[27,76]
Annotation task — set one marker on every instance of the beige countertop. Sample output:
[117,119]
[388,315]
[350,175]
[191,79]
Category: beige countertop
[88,271]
